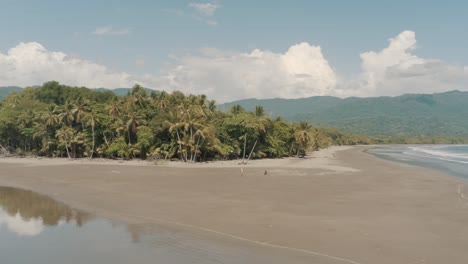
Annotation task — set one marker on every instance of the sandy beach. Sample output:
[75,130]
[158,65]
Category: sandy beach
[340,205]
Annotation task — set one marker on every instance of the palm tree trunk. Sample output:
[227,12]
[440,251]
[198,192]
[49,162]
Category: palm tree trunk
[196,149]
[4,151]
[92,148]
[68,152]
[129,137]
[245,144]
[251,151]
[180,145]
[105,139]
[191,146]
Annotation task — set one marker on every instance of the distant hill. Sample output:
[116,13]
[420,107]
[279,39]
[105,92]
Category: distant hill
[4,91]
[440,114]
[121,91]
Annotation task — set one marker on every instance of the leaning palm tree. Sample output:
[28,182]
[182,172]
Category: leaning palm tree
[65,135]
[257,124]
[172,123]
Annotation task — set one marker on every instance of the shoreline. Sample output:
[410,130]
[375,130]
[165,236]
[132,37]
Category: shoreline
[335,203]
[322,153]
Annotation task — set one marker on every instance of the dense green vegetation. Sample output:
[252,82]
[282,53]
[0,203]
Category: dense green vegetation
[416,117]
[6,90]
[61,121]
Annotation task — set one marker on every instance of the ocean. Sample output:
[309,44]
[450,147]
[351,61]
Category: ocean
[452,159]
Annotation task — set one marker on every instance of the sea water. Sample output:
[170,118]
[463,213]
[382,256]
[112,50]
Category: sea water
[451,159]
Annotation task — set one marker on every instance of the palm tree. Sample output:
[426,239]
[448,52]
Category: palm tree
[303,136]
[212,105]
[68,112]
[40,133]
[258,125]
[114,108]
[118,126]
[236,109]
[201,134]
[259,111]
[173,124]
[161,101]
[81,109]
[135,119]
[51,117]
[137,97]
[92,123]
[65,135]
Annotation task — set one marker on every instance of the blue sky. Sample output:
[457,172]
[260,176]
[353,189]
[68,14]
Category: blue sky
[153,38]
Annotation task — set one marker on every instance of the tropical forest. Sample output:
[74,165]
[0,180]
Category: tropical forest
[55,120]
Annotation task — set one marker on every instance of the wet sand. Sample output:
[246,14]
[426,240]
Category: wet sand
[340,206]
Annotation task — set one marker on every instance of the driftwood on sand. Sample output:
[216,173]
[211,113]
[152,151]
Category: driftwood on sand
[4,151]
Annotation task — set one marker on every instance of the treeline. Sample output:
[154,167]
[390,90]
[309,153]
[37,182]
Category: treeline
[56,120]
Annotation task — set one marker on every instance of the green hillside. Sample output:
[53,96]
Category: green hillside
[442,114]
[4,91]
[287,107]
[120,91]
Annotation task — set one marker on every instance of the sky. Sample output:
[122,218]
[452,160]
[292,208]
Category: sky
[238,49]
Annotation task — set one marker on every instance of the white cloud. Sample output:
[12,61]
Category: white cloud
[223,75]
[19,226]
[32,64]
[299,72]
[107,30]
[202,12]
[206,9]
[396,70]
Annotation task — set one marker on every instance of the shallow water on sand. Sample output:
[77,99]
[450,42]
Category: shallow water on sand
[36,229]
[452,159]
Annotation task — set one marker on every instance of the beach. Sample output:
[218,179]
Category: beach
[341,204]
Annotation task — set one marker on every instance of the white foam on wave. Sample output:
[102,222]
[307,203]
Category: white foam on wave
[452,160]
[439,152]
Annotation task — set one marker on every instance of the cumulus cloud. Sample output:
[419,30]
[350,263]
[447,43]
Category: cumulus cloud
[20,226]
[206,9]
[32,64]
[301,71]
[107,30]
[396,70]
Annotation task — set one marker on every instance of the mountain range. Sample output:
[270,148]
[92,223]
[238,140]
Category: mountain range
[6,90]
[428,115]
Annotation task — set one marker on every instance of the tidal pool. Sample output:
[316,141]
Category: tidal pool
[37,229]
